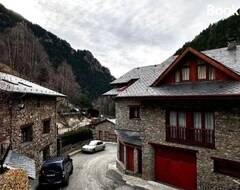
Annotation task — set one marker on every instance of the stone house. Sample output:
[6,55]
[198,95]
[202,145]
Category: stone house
[104,130]
[179,122]
[28,118]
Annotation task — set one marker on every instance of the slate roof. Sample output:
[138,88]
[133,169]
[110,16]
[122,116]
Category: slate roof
[149,74]
[15,160]
[11,83]
[130,137]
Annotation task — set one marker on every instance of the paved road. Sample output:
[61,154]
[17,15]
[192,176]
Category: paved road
[91,171]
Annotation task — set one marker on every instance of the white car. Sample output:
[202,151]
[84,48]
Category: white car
[93,146]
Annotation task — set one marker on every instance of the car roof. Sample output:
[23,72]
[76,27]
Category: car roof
[96,141]
[54,159]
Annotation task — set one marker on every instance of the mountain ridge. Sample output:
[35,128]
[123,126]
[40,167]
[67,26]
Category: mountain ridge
[216,35]
[53,60]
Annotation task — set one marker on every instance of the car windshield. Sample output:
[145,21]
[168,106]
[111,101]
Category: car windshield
[52,166]
[92,143]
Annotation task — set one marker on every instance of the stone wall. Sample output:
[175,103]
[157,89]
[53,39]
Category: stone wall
[107,129]
[152,124]
[122,113]
[36,110]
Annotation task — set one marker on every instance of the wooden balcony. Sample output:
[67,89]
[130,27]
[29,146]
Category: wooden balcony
[191,136]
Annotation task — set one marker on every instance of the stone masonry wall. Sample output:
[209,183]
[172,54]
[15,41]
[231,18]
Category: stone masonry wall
[152,125]
[122,114]
[36,110]
[108,131]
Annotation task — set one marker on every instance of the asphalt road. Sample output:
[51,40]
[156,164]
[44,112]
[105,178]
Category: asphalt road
[91,171]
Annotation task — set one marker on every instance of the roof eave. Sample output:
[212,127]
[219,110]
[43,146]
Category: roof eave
[205,96]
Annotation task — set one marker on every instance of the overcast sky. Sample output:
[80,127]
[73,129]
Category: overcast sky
[123,34]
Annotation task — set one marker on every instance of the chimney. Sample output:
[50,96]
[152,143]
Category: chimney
[232,44]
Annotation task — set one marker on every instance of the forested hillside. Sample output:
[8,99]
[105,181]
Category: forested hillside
[42,57]
[216,35]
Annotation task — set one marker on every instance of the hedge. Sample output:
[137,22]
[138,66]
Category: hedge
[15,179]
[76,136]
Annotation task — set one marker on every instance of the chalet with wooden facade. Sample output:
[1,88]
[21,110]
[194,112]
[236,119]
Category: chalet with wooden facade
[27,118]
[179,122]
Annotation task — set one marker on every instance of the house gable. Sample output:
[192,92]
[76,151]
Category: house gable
[191,66]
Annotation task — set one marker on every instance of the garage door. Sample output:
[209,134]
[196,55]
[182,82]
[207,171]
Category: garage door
[130,158]
[176,167]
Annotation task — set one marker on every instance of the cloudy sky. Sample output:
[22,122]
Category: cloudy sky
[123,34]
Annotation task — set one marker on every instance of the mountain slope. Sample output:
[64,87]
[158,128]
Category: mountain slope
[216,35]
[31,49]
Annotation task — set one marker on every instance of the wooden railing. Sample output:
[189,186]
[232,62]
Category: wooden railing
[201,137]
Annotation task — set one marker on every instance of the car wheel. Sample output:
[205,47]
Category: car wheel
[93,150]
[66,181]
[71,170]
[103,148]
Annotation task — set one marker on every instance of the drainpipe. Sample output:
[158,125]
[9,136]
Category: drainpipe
[11,117]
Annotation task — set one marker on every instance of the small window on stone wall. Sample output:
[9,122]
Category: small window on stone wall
[46,126]
[134,112]
[27,133]
[226,167]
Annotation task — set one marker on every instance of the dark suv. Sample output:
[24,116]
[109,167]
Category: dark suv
[56,170]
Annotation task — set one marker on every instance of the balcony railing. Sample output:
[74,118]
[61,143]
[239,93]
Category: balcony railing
[201,137]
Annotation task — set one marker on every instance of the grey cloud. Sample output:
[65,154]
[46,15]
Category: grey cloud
[129,27]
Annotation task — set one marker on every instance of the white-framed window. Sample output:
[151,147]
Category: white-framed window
[197,120]
[211,73]
[209,120]
[177,76]
[202,72]
[173,118]
[185,73]
[182,119]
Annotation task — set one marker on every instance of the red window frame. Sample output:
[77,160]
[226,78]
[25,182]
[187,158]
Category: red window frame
[190,135]
[193,70]
[226,167]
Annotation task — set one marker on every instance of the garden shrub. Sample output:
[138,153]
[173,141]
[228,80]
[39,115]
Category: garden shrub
[15,179]
[76,136]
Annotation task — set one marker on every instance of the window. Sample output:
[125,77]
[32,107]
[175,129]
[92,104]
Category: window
[205,71]
[193,71]
[46,126]
[190,127]
[185,73]
[173,118]
[202,72]
[27,134]
[134,112]
[227,167]
[211,73]
[177,76]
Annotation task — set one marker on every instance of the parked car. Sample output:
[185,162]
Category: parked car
[93,146]
[56,170]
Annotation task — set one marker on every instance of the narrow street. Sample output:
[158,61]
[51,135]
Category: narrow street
[91,171]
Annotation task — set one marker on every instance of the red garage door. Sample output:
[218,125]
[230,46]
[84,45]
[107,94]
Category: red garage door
[130,159]
[176,167]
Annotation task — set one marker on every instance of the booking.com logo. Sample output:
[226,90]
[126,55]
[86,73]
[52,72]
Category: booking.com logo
[214,10]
